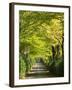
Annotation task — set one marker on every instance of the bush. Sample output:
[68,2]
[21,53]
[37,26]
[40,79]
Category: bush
[57,67]
[29,64]
[22,67]
[51,66]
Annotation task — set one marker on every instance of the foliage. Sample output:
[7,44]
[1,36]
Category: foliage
[57,67]
[22,67]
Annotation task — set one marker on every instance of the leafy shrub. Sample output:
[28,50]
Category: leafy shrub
[22,67]
[57,67]
[51,66]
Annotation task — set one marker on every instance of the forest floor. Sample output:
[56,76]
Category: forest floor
[39,70]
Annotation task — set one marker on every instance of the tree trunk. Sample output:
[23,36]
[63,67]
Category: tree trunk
[53,53]
[58,51]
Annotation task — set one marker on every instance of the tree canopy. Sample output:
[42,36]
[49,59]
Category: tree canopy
[39,31]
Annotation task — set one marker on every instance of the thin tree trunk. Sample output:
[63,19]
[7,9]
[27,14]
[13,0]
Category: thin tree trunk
[53,53]
[58,51]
